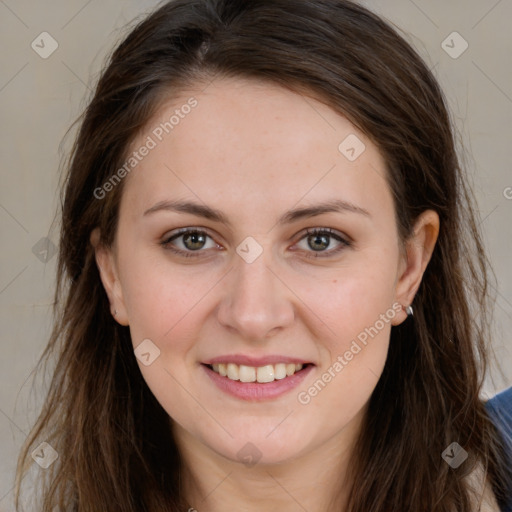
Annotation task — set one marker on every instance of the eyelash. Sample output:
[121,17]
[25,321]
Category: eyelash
[315,231]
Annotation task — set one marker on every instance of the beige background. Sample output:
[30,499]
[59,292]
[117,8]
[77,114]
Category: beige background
[39,98]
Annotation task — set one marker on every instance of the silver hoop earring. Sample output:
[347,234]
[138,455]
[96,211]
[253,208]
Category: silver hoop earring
[409,311]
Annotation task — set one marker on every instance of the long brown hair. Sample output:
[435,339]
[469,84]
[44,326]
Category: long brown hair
[113,437]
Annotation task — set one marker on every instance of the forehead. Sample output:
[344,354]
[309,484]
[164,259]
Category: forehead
[248,145]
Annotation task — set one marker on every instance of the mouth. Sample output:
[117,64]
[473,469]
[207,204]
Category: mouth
[257,383]
[261,374]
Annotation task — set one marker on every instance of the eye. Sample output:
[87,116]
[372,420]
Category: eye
[319,239]
[187,241]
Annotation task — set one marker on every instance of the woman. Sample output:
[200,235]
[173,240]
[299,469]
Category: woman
[268,264]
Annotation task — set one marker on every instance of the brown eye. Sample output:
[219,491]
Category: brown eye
[194,240]
[187,241]
[318,240]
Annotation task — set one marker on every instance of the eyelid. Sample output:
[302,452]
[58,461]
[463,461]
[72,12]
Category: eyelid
[168,238]
[333,232]
[344,241]
[182,231]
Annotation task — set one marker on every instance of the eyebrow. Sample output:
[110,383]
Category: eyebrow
[201,210]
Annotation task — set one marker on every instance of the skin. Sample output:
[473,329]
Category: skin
[254,151]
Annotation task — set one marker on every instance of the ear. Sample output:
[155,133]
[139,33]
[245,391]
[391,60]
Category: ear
[106,263]
[418,251]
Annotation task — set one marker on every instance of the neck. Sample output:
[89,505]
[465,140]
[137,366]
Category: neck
[316,480]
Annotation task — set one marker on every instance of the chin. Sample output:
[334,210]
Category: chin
[252,448]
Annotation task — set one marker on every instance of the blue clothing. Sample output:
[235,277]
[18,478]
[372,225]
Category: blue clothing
[500,412]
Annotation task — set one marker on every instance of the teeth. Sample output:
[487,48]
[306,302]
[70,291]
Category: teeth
[279,371]
[247,373]
[233,371]
[267,373]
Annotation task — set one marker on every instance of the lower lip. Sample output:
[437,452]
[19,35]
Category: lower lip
[256,391]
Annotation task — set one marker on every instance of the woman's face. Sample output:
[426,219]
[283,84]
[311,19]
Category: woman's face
[253,167]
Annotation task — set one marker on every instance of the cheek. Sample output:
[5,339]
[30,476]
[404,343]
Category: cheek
[161,299]
[356,309]
[358,315]
[353,299]
[166,306]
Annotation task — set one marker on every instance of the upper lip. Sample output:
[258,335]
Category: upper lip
[255,361]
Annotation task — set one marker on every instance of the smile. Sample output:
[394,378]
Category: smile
[257,383]
[261,374]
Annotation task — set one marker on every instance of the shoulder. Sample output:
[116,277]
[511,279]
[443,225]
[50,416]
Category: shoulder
[499,409]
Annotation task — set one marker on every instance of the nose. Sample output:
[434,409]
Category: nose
[256,303]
